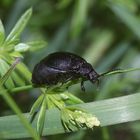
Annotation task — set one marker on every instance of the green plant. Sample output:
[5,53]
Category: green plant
[11,48]
[54,97]
[11,102]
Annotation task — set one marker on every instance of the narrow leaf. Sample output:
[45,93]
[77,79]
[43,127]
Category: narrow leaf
[19,27]
[70,98]
[4,67]
[41,117]
[36,105]
[2,33]
[8,73]
[35,45]
[21,47]
[109,112]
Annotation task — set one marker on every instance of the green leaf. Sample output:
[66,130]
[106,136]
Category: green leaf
[19,27]
[2,33]
[36,45]
[37,104]
[16,54]
[6,57]
[70,99]
[41,116]
[8,72]
[109,112]
[3,69]
[21,47]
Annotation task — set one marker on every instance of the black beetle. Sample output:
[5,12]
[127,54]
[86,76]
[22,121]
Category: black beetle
[61,67]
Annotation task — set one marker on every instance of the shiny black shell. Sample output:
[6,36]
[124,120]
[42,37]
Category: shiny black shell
[60,67]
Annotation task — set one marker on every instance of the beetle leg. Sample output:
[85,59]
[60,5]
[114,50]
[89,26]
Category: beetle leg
[82,86]
[65,81]
[70,78]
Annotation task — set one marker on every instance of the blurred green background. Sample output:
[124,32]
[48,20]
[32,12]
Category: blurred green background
[104,32]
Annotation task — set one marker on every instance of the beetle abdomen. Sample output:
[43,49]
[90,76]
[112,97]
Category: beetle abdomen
[62,60]
[44,75]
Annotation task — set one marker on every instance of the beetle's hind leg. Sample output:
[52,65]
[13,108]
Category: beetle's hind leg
[65,81]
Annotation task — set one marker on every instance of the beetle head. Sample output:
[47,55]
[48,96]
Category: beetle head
[89,73]
[93,76]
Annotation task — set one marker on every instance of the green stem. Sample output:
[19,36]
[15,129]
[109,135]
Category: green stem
[18,89]
[105,133]
[23,88]
[119,71]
